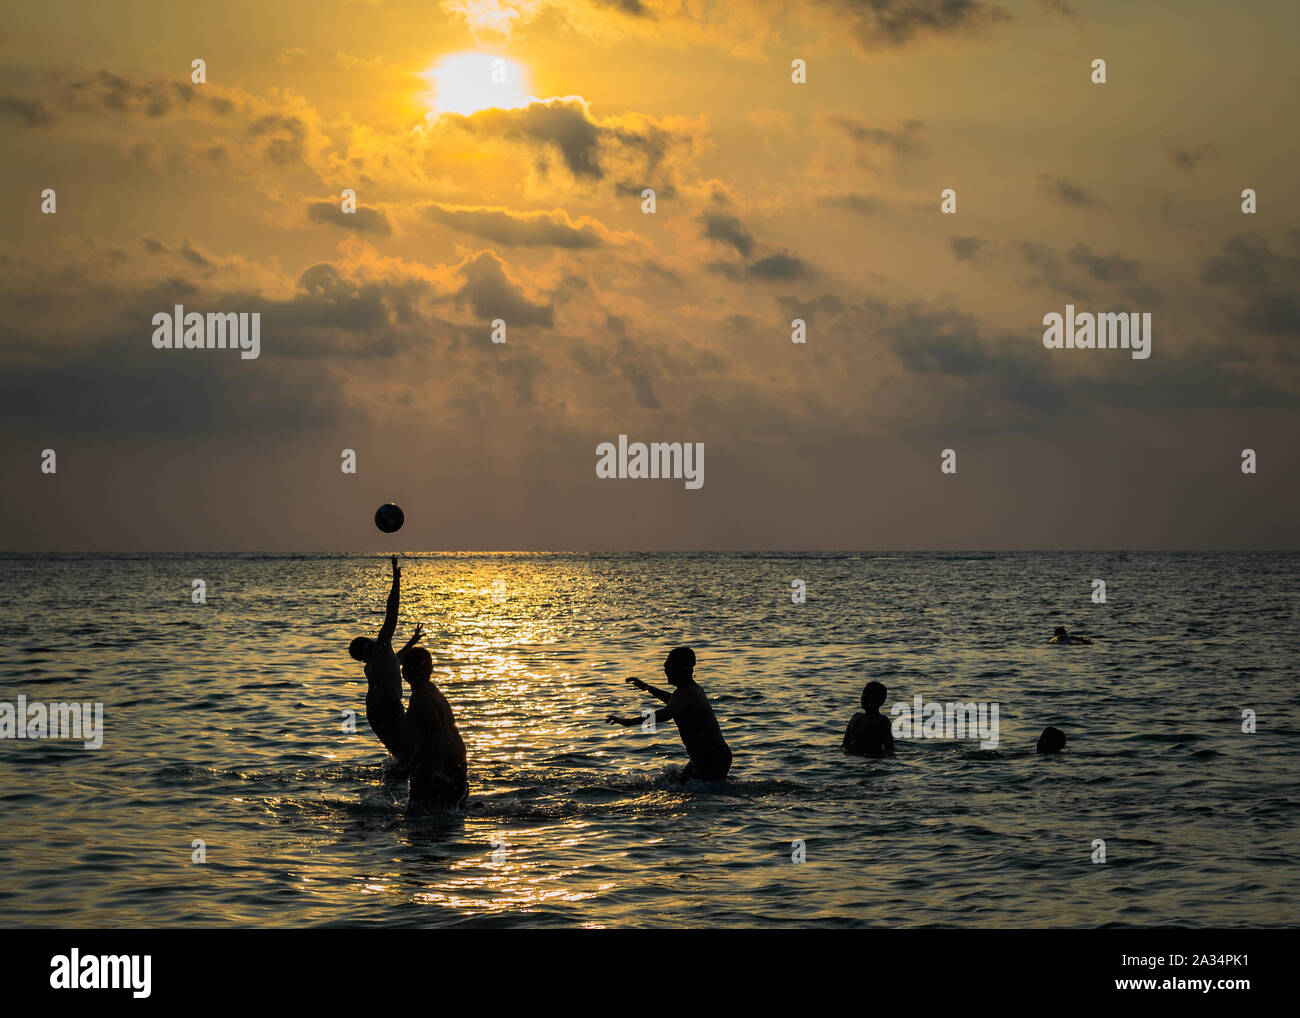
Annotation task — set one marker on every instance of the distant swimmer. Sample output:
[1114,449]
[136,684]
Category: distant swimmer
[1064,637]
[384,690]
[710,757]
[439,775]
[1051,741]
[869,733]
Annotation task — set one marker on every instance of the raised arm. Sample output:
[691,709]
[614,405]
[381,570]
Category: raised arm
[394,595]
[662,714]
[416,637]
[652,690]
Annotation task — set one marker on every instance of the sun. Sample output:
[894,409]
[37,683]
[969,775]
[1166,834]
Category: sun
[465,83]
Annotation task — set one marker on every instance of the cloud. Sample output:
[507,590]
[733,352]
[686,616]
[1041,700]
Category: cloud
[492,294]
[728,229]
[363,220]
[854,201]
[1247,262]
[1264,284]
[808,310]
[31,112]
[967,249]
[1063,192]
[906,140]
[779,266]
[1111,269]
[892,23]
[588,146]
[1043,258]
[1063,7]
[120,384]
[1186,159]
[286,133]
[520,229]
[1114,271]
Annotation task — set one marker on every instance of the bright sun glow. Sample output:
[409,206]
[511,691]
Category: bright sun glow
[468,82]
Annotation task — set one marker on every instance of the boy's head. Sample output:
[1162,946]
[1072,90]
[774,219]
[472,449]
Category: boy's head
[417,665]
[1051,741]
[873,695]
[360,648]
[679,665]
[1060,631]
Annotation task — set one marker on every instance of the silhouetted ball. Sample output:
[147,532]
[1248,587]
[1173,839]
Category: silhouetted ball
[389,517]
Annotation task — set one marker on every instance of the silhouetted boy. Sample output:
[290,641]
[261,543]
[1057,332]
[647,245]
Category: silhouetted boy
[439,775]
[1051,741]
[710,756]
[384,680]
[869,733]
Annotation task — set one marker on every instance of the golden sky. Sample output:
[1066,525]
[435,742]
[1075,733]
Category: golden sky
[775,200]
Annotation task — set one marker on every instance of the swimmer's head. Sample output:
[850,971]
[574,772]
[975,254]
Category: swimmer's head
[1051,741]
[1060,631]
[417,665]
[679,665]
[873,695]
[360,648]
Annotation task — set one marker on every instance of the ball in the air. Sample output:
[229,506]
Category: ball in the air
[389,517]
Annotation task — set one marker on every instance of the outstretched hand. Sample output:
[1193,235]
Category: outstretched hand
[613,719]
[418,635]
[638,684]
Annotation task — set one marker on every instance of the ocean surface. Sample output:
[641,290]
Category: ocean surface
[225,722]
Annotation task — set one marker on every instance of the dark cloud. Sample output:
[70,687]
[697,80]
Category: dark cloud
[517,229]
[1114,272]
[967,249]
[1183,383]
[1063,192]
[634,190]
[31,112]
[492,294]
[1247,262]
[947,342]
[363,220]
[907,140]
[1188,159]
[521,370]
[854,202]
[878,23]
[634,8]
[1263,284]
[279,138]
[585,144]
[779,266]
[121,385]
[1274,313]
[274,135]
[728,229]
[639,380]
[1043,258]
[808,310]
[185,251]
[1114,268]
[106,92]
